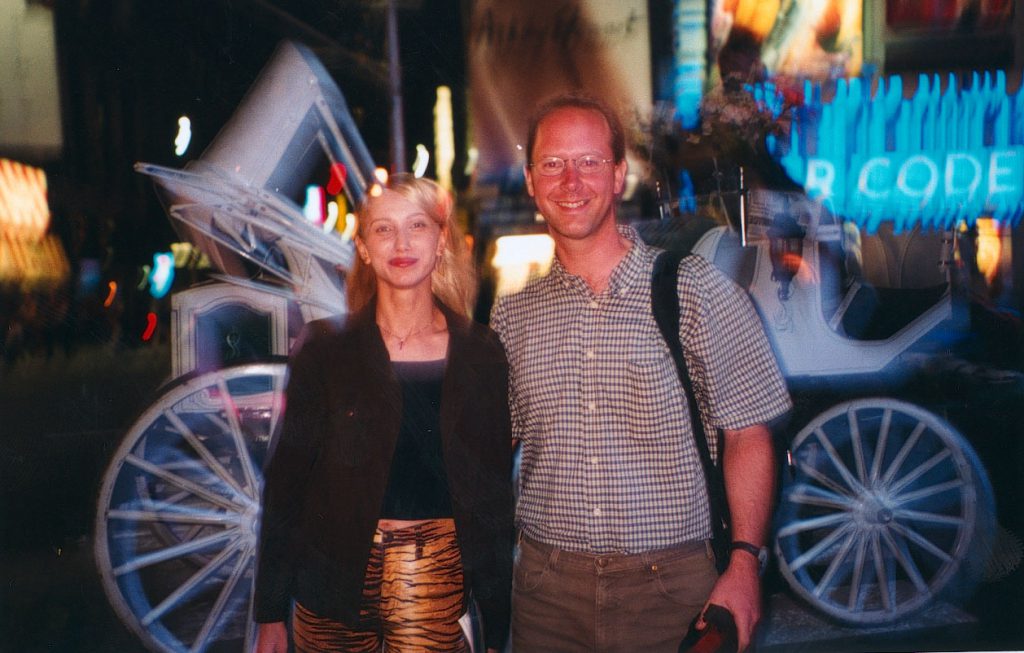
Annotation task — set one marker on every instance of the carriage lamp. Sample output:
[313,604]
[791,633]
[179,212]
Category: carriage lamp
[785,249]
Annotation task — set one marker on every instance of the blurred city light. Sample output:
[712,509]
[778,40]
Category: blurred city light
[111,294]
[161,275]
[184,136]
[28,255]
[332,216]
[419,166]
[444,137]
[339,173]
[150,329]
[313,209]
[517,259]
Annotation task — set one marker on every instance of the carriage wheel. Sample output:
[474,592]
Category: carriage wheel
[178,510]
[887,505]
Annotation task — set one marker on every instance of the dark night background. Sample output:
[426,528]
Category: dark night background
[127,69]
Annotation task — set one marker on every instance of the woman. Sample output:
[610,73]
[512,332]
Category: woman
[388,489]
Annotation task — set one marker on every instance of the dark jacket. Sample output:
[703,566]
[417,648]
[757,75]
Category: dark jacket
[328,466]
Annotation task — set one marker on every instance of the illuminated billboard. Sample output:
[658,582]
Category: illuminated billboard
[813,39]
[521,53]
[748,40]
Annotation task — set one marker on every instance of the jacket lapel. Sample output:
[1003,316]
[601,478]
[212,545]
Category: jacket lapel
[460,377]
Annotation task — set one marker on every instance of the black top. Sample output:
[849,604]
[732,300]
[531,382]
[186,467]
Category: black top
[418,484]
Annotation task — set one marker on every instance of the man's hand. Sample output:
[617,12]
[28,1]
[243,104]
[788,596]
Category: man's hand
[272,638]
[738,590]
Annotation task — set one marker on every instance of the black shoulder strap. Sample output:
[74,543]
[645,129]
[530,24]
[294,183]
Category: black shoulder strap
[665,305]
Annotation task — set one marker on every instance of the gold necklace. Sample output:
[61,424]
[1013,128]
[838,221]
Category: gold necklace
[401,339]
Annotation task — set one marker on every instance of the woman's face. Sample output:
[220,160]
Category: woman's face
[399,241]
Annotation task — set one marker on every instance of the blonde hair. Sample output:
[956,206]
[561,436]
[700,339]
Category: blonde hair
[454,279]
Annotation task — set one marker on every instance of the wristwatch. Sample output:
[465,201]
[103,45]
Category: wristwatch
[759,552]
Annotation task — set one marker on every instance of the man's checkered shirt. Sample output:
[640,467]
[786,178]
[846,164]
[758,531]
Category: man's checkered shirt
[599,409]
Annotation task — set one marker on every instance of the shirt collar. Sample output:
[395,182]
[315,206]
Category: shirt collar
[633,266]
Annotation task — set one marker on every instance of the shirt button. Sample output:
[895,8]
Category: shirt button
[593,460]
[590,353]
[593,304]
[592,406]
[597,512]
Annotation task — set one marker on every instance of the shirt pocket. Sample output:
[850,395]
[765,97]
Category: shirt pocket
[653,391]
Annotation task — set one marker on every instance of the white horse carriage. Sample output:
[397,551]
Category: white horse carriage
[887,504]
[179,505]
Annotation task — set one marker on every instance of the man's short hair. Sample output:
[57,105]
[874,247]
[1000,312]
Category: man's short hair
[586,102]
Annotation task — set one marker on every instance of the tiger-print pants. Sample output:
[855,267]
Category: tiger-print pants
[412,599]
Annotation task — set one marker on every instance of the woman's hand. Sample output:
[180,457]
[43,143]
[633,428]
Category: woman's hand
[272,638]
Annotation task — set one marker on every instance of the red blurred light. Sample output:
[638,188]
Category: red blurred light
[338,175]
[150,326]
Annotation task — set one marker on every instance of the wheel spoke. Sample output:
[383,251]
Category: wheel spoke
[838,463]
[930,517]
[837,561]
[176,551]
[217,611]
[881,577]
[929,491]
[163,516]
[811,524]
[900,555]
[810,495]
[921,541]
[250,625]
[820,477]
[204,453]
[905,450]
[231,411]
[858,573]
[883,441]
[183,483]
[856,444]
[193,581]
[815,551]
[920,471]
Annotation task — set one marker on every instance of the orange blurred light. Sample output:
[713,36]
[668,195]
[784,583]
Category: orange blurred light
[989,248]
[111,293]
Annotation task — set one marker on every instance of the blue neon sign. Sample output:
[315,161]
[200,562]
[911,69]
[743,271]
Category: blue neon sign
[937,159]
[690,45]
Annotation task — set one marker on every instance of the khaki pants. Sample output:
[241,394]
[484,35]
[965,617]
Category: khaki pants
[564,602]
[412,599]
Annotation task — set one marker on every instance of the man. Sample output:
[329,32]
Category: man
[613,510]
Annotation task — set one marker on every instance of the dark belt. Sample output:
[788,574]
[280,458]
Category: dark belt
[619,560]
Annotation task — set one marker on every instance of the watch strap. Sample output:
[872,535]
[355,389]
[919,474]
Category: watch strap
[746,546]
[760,553]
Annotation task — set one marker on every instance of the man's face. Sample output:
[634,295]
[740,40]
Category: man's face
[575,206]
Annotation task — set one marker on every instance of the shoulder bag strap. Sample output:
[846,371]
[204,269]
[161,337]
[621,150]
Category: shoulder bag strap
[665,305]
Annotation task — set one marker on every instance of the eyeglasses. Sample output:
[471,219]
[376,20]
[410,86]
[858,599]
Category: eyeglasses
[553,166]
